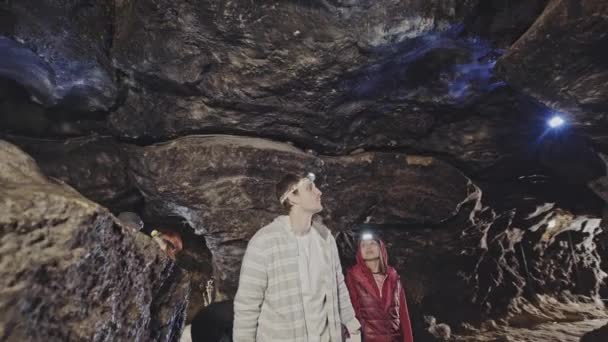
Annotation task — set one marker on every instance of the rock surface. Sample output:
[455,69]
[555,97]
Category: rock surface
[561,61]
[58,51]
[223,186]
[69,272]
[406,110]
[95,166]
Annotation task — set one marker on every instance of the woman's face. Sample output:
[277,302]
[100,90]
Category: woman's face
[370,249]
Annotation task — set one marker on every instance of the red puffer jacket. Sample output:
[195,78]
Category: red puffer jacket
[383,318]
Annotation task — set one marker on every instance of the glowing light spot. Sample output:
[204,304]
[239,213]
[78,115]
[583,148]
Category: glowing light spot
[367,236]
[555,121]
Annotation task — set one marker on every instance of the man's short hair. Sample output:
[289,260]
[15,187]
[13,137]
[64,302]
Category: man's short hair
[285,184]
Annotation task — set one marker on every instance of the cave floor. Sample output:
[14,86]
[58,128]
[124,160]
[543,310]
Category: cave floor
[543,332]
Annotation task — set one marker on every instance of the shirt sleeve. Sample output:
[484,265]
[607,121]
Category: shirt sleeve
[253,281]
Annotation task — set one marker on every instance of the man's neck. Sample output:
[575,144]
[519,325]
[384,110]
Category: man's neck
[300,221]
[373,265]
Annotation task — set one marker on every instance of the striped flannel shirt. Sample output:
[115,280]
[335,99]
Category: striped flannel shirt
[268,305]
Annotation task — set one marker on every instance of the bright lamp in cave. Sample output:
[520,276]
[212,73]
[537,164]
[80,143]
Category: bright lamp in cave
[367,236]
[555,121]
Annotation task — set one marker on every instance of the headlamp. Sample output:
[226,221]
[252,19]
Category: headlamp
[367,236]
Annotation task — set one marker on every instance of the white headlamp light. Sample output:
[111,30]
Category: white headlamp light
[367,236]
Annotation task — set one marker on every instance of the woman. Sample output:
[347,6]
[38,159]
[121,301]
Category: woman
[377,295]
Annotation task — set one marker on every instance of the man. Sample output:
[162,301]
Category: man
[291,286]
[377,294]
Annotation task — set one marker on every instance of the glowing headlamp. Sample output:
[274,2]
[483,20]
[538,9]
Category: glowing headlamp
[556,121]
[367,236]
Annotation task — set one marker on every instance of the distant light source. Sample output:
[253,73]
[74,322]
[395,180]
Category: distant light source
[367,236]
[555,121]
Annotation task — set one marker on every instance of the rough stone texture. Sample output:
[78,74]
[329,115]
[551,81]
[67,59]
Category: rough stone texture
[218,43]
[526,268]
[223,186]
[68,272]
[390,188]
[330,75]
[561,60]
[23,66]
[567,331]
[194,258]
[400,104]
[19,115]
[95,166]
[216,184]
[523,257]
[59,51]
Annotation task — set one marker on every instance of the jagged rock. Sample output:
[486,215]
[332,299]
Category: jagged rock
[517,263]
[390,188]
[560,61]
[336,76]
[19,115]
[366,88]
[59,51]
[317,34]
[510,265]
[568,331]
[70,272]
[194,258]
[557,254]
[223,186]
[95,166]
[22,65]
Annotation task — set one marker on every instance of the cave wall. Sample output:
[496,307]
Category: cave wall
[71,272]
[423,120]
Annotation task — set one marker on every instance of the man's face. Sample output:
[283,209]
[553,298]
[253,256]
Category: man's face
[370,249]
[308,197]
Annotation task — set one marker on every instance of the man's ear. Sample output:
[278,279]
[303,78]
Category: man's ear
[291,198]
